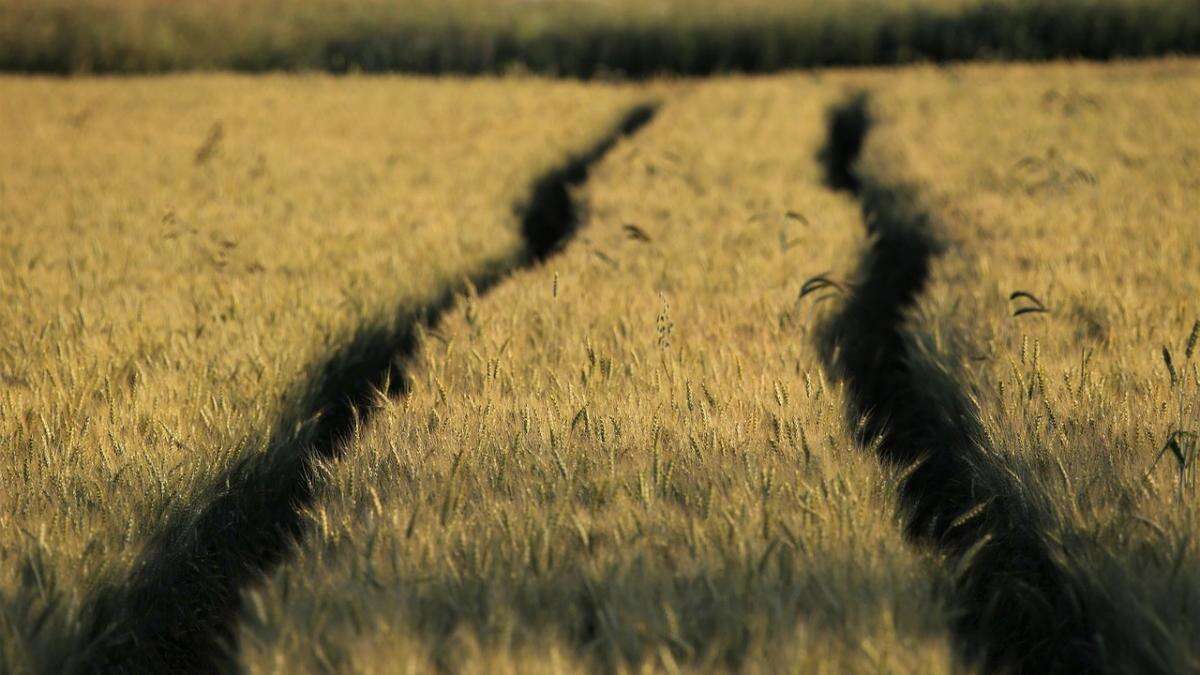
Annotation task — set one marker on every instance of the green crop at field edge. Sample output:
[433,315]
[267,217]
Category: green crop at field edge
[582,38]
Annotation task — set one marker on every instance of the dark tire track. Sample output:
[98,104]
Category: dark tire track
[1017,609]
[178,612]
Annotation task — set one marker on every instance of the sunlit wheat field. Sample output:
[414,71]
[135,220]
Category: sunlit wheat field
[880,370]
[1067,303]
[628,458]
[180,257]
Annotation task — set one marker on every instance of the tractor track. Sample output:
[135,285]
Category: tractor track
[178,611]
[1015,607]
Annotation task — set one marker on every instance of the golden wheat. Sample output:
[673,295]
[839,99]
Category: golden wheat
[628,459]
[179,254]
[1065,302]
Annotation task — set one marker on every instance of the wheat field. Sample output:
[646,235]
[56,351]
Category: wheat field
[1066,303]
[628,459]
[180,256]
[881,370]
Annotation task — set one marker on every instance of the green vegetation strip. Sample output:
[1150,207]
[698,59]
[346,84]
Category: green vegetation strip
[573,38]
